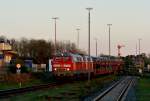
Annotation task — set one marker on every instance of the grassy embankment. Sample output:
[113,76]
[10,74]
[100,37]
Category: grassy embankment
[13,80]
[143,88]
[67,92]
[9,85]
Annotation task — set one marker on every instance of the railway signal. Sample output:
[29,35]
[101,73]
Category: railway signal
[18,66]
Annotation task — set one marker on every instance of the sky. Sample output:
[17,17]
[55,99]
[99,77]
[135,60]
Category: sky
[33,19]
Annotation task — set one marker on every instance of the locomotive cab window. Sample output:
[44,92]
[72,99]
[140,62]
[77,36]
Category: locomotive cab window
[58,58]
[66,59]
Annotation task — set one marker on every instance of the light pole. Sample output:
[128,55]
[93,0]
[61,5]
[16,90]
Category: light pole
[89,22]
[96,46]
[140,46]
[78,37]
[136,50]
[140,58]
[109,25]
[109,39]
[55,18]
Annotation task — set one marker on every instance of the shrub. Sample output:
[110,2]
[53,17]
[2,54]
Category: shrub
[44,76]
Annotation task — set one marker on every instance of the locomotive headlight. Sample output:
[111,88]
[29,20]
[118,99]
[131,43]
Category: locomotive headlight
[55,69]
[68,69]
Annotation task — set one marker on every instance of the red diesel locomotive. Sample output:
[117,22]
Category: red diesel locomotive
[69,64]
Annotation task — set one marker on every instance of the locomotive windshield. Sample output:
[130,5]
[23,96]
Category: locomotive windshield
[63,57]
[65,54]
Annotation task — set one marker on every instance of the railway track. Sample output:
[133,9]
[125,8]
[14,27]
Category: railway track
[11,92]
[116,92]
[17,91]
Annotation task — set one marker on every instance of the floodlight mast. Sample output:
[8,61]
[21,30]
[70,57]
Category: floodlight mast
[55,19]
[89,54]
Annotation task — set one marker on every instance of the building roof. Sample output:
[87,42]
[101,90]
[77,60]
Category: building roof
[10,52]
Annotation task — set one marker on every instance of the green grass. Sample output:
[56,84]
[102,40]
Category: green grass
[67,92]
[143,89]
[5,85]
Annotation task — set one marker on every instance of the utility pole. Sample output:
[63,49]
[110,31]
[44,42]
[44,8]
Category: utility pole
[89,55]
[55,18]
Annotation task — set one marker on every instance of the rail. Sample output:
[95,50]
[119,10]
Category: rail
[10,92]
[123,86]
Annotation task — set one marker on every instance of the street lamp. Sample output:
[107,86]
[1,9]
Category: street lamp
[89,9]
[109,25]
[55,18]
[140,46]
[78,37]
[140,58]
[136,49]
[96,46]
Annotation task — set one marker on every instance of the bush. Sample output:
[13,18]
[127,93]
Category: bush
[44,76]
[15,78]
[12,69]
